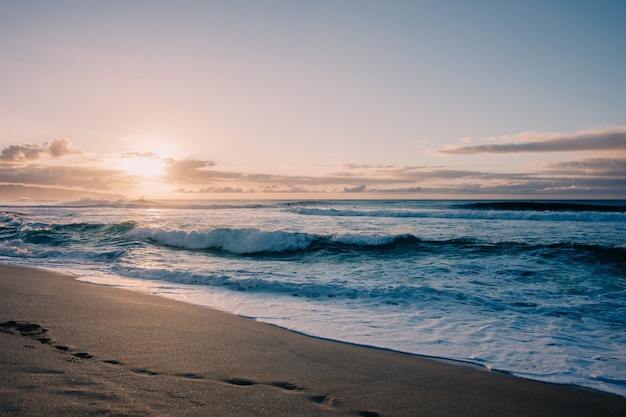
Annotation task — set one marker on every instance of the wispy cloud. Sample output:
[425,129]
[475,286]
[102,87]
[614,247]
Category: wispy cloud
[55,164]
[613,138]
[424,181]
[149,155]
[610,167]
[47,165]
[62,176]
[188,171]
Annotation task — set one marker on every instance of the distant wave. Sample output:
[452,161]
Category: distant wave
[545,206]
[610,213]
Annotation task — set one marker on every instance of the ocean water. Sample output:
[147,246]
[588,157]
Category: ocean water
[537,289]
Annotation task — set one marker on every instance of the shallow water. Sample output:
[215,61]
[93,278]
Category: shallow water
[534,288]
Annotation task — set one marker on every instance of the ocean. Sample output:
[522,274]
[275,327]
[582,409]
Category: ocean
[533,288]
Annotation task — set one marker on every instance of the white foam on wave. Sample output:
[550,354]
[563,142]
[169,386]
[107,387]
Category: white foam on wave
[240,241]
[14,249]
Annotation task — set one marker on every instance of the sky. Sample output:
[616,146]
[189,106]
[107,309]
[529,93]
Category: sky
[313,99]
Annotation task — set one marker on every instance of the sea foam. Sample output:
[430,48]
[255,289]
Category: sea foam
[240,241]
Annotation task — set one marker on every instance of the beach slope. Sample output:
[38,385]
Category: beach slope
[74,349]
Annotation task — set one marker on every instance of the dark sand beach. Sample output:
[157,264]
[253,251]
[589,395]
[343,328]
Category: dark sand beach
[75,349]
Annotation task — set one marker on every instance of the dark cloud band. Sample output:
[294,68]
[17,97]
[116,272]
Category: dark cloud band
[601,140]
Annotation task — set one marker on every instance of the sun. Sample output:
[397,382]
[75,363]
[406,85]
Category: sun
[143,166]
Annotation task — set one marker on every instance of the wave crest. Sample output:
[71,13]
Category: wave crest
[239,241]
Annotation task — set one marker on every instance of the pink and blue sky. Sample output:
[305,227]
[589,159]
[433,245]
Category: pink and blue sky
[313,99]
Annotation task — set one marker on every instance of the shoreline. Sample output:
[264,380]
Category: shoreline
[72,348]
[128,284]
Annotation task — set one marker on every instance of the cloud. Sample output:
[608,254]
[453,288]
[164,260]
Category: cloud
[590,140]
[12,192]
[20,153]
[405,190]
[201,172]
[357,166]
[16,153]
[597,177]
[357,189]
[371,179]
[59,148]
[610,167]
[591,177]
[565,179]
[149,155]
[62,176]
[188,171]
[219,190]
[540,187]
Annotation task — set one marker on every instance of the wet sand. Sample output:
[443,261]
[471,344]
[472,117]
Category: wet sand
[74,349]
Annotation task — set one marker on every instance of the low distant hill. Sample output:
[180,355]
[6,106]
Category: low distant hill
[20,193]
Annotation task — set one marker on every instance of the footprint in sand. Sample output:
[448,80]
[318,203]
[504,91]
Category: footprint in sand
[239,381]
[35,331]
[190,376]
[325,400]
[286,386]
[32,330]
[142,371]
[368,414]
[112,362]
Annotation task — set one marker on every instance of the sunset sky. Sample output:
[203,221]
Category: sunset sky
[314,99]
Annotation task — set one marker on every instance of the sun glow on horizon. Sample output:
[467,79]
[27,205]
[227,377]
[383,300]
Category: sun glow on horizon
[150,167]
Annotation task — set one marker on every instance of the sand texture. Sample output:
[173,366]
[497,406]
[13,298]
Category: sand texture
[73,349]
